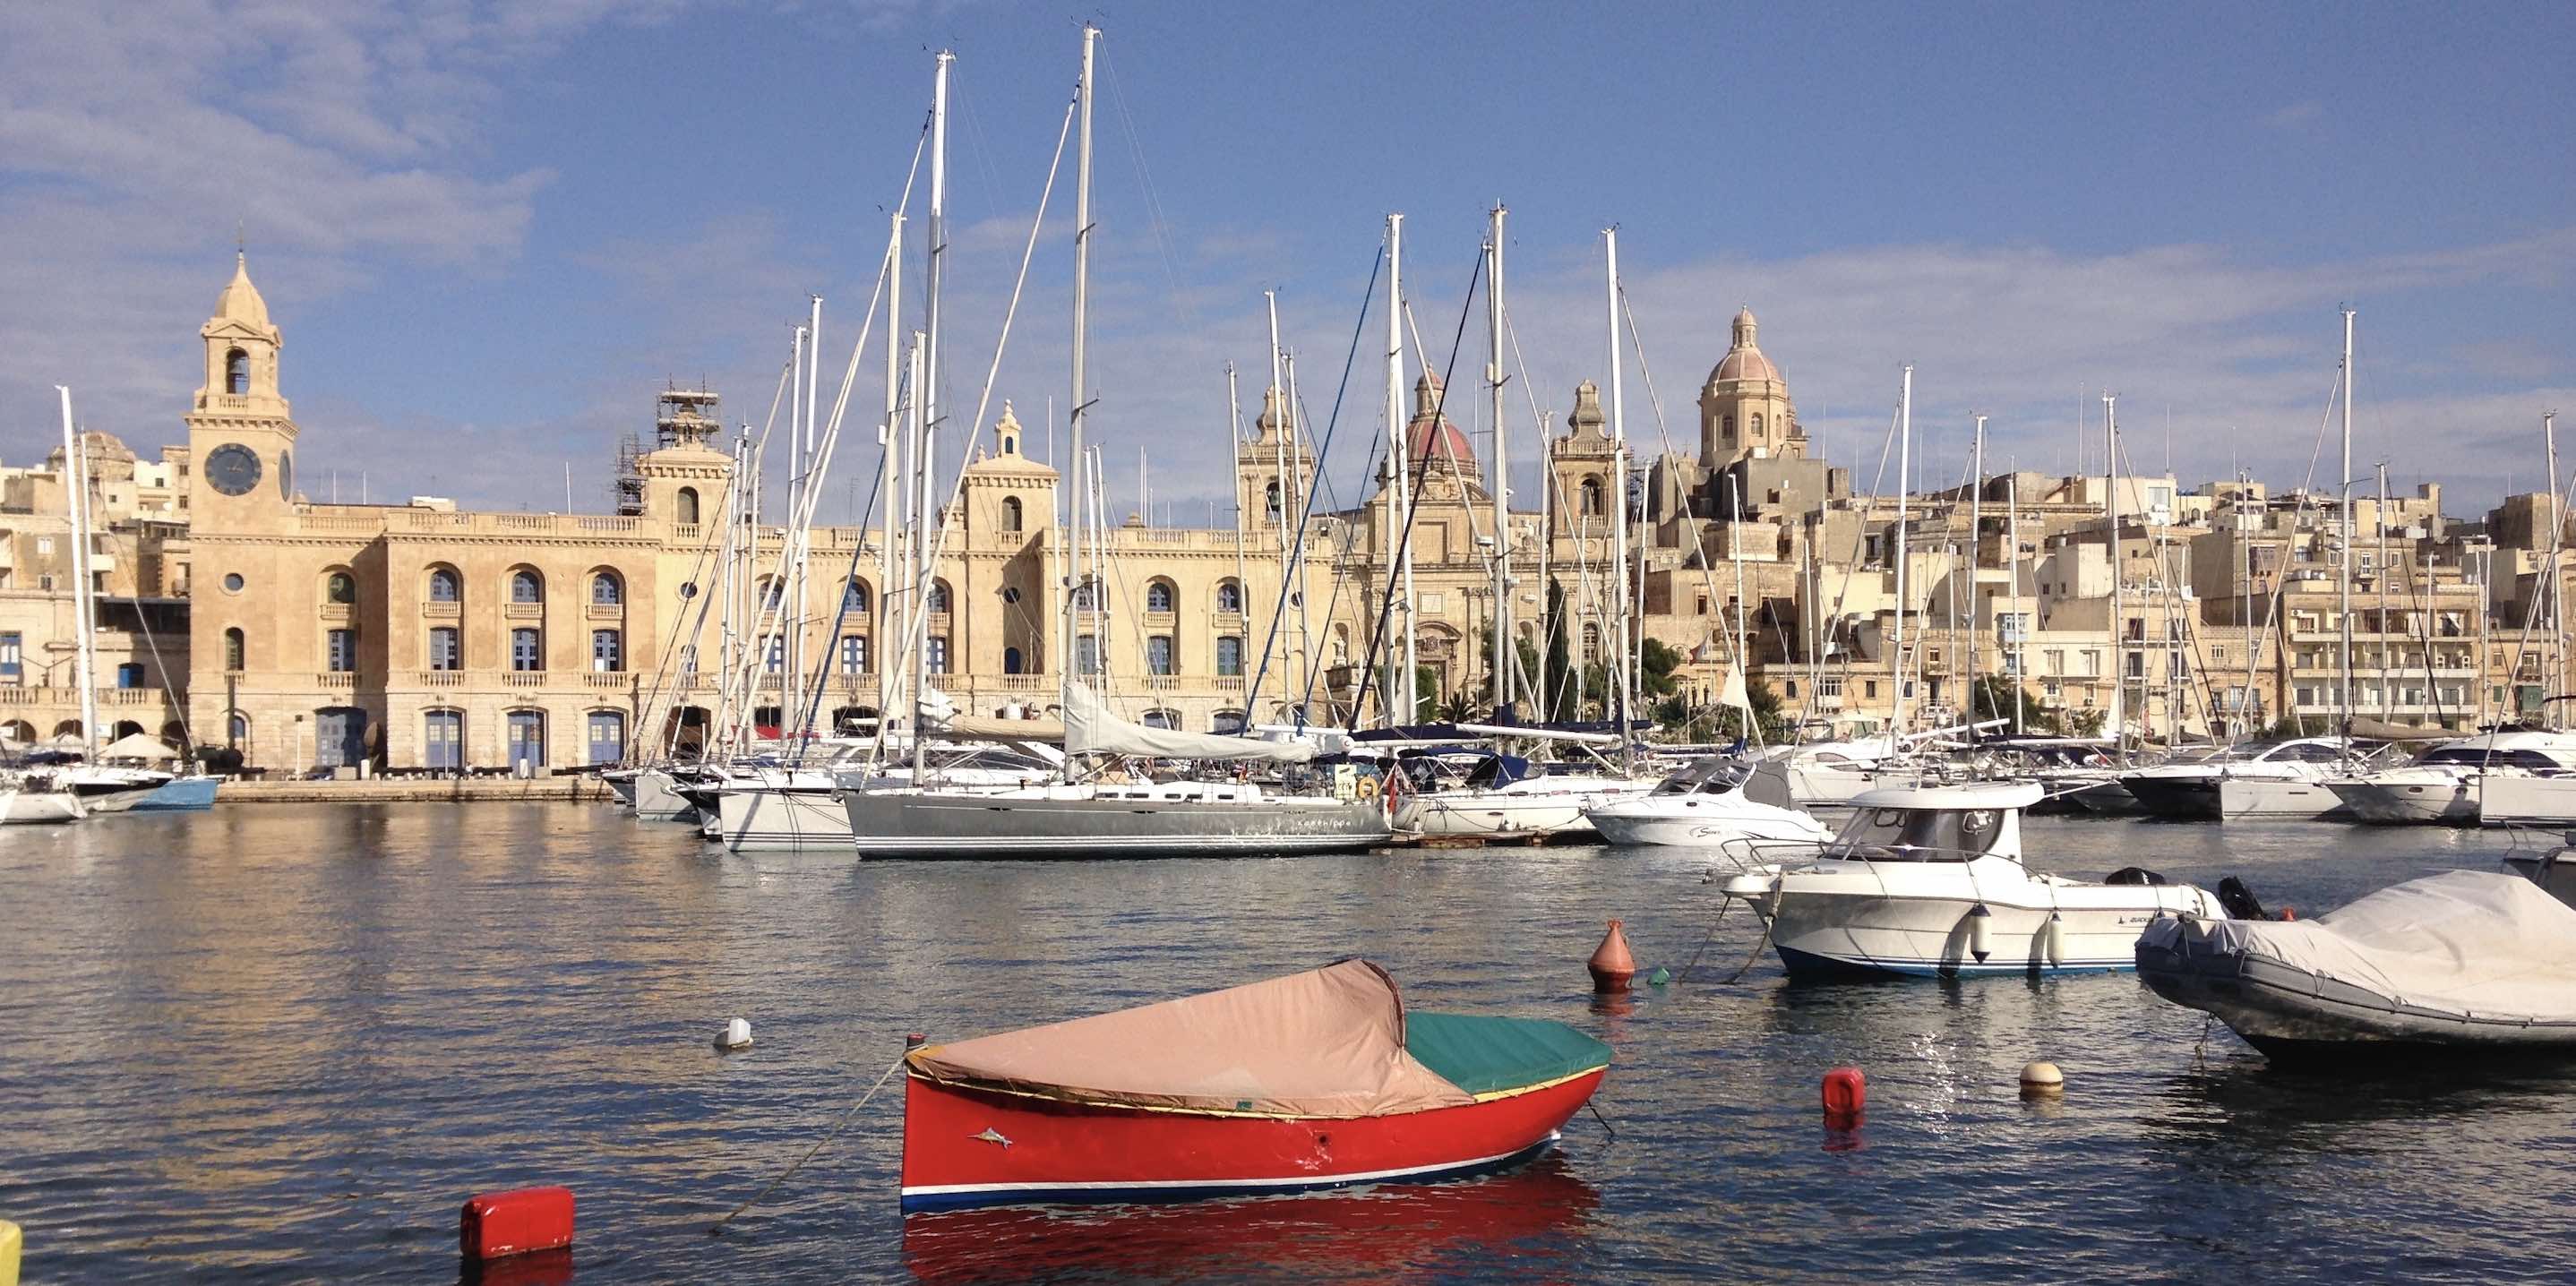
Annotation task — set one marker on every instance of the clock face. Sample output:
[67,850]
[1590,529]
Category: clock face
[233,469]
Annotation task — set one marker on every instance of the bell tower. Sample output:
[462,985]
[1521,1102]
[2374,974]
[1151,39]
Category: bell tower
[241,433]
[1266,496]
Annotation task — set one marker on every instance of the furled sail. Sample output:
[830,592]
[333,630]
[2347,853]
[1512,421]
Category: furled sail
[1089,728]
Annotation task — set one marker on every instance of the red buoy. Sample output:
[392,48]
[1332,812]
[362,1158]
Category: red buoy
[1611,966]
[515,1222]
[1846,1093]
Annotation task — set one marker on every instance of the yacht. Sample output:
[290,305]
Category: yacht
[2441,787]
[1829,774]
[2271,779]
[1706,805]
[1508,795]
[1930,881]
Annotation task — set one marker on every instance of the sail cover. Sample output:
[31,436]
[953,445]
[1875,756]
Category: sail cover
[1089,728]
[2459,942]
[1325,1043]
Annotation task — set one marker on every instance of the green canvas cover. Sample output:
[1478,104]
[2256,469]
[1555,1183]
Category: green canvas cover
[1482,1055]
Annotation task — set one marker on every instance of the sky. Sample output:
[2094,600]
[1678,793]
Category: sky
[490,231]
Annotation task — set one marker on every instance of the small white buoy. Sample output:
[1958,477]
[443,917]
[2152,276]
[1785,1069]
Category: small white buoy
[737,1035]
[1981,932]
[2056,939]
[2041,1079]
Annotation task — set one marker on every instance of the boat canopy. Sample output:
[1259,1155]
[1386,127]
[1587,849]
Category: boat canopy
[2468,942]
[1089,728]
[1329,1042]
[1499,770]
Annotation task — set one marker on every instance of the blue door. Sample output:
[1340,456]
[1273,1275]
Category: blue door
[340,737]
[444,744]
[528,739]
[607,736]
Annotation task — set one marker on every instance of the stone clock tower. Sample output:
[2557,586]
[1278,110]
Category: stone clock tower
[241,434]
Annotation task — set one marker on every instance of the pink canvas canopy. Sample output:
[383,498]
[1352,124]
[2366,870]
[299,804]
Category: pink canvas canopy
[1326,1043]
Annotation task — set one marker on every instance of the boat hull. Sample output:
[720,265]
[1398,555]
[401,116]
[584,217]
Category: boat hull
[2526,801]
[657,798]
[971,1146]
[1037,824]
[782,819]
[1862,932]
[2267,799]
[2445,802]
[2294,1014]
[39,807]
[1519,810]
[181,795]
[2185,798]
[1709,830]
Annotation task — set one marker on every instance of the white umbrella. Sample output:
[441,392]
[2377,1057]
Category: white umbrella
[138,745]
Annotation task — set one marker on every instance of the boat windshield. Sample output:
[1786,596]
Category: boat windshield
[1712,777]
[1918,834]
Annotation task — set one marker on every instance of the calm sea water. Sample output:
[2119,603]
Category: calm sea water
[283,1044]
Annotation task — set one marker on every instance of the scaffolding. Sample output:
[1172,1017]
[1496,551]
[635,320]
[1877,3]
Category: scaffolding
[682,417]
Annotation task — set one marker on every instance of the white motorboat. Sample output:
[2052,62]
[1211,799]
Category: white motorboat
[1930,881]
[2441,786]
[1706,805]
[37,798]
[2193,785]
[1830,774]
[1507,795]
[2463,962]
[2533,799]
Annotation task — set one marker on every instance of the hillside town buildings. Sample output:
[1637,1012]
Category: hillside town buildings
[237,612]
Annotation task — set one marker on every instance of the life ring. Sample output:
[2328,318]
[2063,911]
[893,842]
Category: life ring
[1367,788]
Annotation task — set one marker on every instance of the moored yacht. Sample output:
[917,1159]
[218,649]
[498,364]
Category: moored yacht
[2191,785]
[1930,881]
[1508,795]
[2442,786]
[1706,805]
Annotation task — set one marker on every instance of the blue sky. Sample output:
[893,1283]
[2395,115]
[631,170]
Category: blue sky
[490,230]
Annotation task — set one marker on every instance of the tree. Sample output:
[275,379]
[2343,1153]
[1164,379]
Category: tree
[1558,701]
[1992,698]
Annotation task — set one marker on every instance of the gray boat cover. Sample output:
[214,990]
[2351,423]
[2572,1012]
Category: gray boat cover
[2465,942]
[1089,728]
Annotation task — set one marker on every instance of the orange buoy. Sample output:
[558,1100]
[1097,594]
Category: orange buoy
[1611,966]
[1846,1094]
[496,1224]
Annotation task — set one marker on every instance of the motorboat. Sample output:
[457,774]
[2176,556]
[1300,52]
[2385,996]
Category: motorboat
[2528,799]
[2554,871]
[1830,774]
[2441,786]
[1706,805]
[37,798]
[1316,1080]
[1509,795]
[1121,810]
[1930,881]
[2272,779]
[2464,962]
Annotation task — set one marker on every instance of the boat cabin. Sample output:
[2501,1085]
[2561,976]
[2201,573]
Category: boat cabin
[1936,824]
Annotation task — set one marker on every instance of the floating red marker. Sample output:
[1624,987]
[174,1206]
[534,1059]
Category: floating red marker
[1846,1094]
[1611,966]
[496,1224]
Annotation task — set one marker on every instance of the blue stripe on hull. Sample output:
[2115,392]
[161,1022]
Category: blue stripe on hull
[923,1202]
[1806,964]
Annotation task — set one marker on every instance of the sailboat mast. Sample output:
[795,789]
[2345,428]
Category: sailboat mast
[889,451]
[85,655]
[2111,517]
[2012,564]
[1624,678]
[1398,695]
[1502,665]
[1904,470]
[1077,583]
[918,430]
[1278,398]
[1976,540]
[2557,526]
[2343,567]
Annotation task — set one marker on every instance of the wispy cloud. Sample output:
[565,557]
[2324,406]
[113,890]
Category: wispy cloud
[2296,116]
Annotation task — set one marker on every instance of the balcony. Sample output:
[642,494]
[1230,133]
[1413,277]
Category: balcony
[336,681]
[438,611]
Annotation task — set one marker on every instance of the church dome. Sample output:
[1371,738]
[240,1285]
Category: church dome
[1428,442]
[1744,361]
[240,301]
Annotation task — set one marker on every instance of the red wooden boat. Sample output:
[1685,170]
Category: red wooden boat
[1316,1080]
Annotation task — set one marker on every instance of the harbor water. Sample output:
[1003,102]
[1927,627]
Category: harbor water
[284,1043]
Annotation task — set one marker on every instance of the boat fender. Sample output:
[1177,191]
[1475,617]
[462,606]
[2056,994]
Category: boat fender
[1366,787]
[2289,914]
[2042,1080]
[1981,932]
[496,1224]
[1846,1094]
[736,1036]
[2056,939]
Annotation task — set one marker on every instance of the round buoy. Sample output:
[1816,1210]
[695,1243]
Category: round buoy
[736,1035]
[1846,1095]
[2038,1079]
[1981,933]
[1611,965]
[2056,934]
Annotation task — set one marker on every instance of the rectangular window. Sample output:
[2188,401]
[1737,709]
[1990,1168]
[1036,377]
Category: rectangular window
[129,674]
[443,649]
[340,651]
[854,654]
[688,658]
[1868,690]
[607,651]
[1158,654]
[526,653]
[1229,657]
[777,655]
[938,653]
[13,656]
[44,545]
[1086,654]
[1830,686]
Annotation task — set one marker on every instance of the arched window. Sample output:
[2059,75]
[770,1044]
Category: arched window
[689,504]
[606,590]
[341,587]
[1084,596]
[1229,596]
[1757,424]
[237,372]
[1591,497]
[1270,500]
[1011,662]
[233,648]
[1010,513]
[1726,424]
[938,597]
[527,587]
[1158,596]
[854,598]
[1162,718]
[442,585]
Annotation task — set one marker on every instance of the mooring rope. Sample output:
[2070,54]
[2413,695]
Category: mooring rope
[1722,909]
[1757,954]
[835,1132]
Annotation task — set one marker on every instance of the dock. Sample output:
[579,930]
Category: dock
[416,790]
